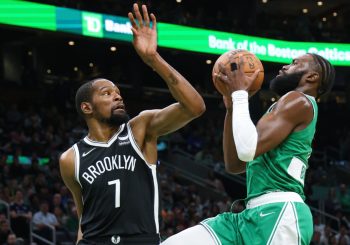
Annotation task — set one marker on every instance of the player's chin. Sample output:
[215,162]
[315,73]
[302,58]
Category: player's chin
[121,114]
[118,111]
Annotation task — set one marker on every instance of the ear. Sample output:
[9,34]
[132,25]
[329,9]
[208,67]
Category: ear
[312,77]
[86,108]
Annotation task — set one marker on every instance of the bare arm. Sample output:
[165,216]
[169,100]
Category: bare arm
[67,168]
[189,103]
[293,112]
[189,106]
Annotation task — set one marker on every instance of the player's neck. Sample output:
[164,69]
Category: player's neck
[102,133]
[308,91]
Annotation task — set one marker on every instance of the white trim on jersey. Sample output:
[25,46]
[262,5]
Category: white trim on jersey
[104,144]
[212,233]
[153,167]
[136,147]
[76,163]
[156,197]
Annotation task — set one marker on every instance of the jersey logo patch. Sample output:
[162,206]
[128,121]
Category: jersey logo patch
[124,140]
[263,215]
[88,152]
[115,239]
[123,137]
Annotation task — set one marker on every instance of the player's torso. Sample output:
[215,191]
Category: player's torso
[119,189]
[283,168]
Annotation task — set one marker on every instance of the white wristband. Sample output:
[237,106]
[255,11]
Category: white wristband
[240,96]
[244,130]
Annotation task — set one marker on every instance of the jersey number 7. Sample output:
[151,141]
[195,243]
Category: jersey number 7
[117,191]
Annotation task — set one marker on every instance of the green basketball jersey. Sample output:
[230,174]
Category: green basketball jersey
[283,168]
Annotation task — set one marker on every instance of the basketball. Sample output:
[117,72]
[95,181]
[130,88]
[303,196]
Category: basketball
[251,64]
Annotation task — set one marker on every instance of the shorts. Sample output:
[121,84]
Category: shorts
[275,218]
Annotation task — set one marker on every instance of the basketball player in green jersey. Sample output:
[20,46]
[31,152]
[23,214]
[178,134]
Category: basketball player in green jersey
[274,154]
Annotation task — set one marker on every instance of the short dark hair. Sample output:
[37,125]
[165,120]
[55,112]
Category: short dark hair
[84,94]
[327,74]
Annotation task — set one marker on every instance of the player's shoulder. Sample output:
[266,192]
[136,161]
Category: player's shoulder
[295,100]
[67,163]
[67,157]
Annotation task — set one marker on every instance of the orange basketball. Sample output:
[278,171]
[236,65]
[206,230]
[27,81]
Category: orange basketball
[251,64]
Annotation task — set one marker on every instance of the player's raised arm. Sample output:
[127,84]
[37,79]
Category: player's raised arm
[190,104]
[235,148]
[232,162]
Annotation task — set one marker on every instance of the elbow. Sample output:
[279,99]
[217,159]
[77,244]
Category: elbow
[246,144]
[202,108]
[237,168]
[198,110]
[246,155]
[230,169]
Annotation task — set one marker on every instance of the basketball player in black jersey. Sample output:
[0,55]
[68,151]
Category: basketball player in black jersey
[111,172]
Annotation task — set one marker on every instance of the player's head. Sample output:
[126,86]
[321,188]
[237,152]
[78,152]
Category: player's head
[309,70]
[100,99]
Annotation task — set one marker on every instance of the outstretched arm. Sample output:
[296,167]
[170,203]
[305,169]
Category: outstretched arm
[189,103]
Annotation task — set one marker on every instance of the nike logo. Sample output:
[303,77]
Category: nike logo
[87,153]
[263,215]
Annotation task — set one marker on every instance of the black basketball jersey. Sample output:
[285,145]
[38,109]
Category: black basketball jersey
[119,188]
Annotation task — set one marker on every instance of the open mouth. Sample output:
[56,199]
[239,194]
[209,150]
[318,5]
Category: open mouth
[118,108]
[280,73]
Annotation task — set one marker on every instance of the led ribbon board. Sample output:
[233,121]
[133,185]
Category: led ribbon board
[214,42]
[27,14]
[47,17]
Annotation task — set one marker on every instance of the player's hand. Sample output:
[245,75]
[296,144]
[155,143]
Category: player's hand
[145,36]
[233,78]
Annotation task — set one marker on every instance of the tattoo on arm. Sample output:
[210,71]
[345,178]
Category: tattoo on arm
[173,79]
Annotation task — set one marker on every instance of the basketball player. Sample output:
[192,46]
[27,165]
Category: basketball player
[112,171]
[274,154]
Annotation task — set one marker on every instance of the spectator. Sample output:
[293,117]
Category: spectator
[57,203]
[11,239]
[5,230]
[42,219]
[20,216]
[326,235]
[342,237]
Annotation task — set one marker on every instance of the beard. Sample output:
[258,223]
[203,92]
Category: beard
[116,119]
[286,82]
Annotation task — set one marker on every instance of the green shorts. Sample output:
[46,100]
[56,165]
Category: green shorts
[285,221]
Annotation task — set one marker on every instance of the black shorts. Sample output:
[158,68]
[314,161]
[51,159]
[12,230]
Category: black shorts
[142,239]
